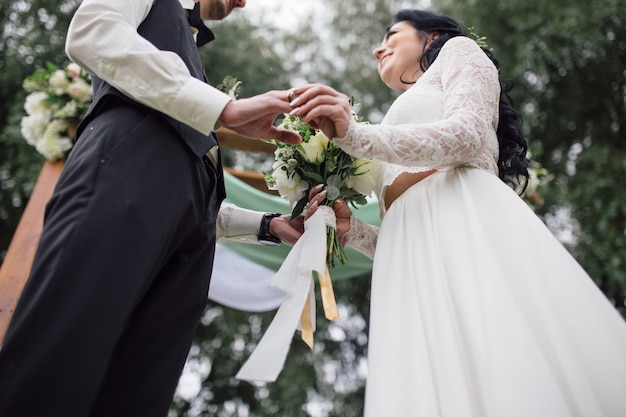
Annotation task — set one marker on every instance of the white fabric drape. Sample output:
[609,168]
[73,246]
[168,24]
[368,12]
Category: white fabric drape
[242,284]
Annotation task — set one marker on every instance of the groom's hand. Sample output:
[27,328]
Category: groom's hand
[287,230]
[254,117]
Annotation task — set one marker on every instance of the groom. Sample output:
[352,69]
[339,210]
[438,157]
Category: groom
[122,271]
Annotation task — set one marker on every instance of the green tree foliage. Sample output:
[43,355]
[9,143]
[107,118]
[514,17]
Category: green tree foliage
[246,52]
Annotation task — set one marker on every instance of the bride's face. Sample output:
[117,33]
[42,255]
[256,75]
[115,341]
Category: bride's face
[398,55]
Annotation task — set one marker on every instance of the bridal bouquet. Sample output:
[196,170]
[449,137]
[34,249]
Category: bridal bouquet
[296,170]
[317,160]
[57,101]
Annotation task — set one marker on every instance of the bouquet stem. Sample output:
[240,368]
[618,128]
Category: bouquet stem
[334,248]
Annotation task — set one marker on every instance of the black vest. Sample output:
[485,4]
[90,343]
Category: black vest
[168,28]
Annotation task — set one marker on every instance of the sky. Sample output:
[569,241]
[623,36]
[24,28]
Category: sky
[286,12]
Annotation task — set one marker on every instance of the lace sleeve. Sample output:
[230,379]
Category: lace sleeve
[471,89]
[362,236]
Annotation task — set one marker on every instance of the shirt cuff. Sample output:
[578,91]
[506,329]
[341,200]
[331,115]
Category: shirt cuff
[199,105]
[238,224]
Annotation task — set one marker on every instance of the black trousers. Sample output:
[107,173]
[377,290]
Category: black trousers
[120,278]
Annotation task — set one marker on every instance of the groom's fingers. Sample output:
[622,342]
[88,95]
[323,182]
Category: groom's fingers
[285,136]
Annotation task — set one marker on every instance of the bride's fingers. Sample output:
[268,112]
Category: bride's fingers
[316,197]
[316,95]
[332,120]
[305,106]
[311,208]
[341,209]
[334,112]
[316,191]
[305,93]
[323,107]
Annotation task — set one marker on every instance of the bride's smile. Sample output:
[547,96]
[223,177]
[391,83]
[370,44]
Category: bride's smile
[399,55]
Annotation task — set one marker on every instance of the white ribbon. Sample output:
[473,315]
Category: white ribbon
[295,278]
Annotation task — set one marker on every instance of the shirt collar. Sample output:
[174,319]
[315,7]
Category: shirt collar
[187,4]
[202,34]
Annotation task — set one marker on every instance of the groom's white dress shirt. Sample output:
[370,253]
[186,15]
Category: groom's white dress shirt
[109,46]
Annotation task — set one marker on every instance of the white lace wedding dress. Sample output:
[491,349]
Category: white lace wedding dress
[476,309]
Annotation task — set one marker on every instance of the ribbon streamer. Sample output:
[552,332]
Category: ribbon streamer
[295,278]
[307,319]
[328,296]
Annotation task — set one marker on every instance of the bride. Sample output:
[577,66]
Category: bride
[476,308]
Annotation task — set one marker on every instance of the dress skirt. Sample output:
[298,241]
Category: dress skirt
[479,311]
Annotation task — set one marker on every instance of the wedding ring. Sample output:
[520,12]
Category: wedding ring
[290,96]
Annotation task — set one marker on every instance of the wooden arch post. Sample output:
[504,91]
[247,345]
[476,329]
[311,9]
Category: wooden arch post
[16,266]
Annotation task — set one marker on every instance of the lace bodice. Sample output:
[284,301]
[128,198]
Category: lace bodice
[448,118]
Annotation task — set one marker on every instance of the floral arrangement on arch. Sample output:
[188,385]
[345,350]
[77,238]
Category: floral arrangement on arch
[57,102]
[317,160]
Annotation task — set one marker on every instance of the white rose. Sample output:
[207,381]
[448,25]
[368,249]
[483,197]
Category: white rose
[54,129]
[364,178]
[52,145]
[79,90]
[69,110]
[293,189]
[54,148]
[278,176]
[36,103]
[73,70]
[33,127]
[58,81]
[313,150]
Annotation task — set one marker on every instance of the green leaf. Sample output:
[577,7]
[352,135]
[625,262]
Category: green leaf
[300,205]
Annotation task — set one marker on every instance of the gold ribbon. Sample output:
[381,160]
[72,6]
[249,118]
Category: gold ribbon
[328,296]
[328,302]
[306,326]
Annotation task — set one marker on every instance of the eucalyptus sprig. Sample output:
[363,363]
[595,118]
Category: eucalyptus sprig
[480,40]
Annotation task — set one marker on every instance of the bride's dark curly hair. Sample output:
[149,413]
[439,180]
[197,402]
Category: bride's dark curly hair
[512,162]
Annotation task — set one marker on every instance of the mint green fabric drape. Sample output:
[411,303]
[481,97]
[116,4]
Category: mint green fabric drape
[243,195]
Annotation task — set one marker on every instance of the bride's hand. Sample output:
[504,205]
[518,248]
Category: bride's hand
[341,209]
[323,108]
